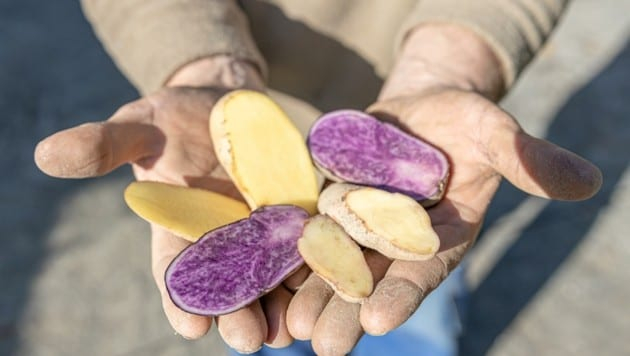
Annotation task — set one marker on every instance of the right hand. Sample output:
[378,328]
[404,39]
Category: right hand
[165,137]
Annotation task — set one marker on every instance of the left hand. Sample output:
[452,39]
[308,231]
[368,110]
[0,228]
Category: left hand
[165,137]
[483,144]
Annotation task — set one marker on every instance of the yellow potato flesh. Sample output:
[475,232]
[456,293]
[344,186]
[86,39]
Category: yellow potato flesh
[336,258]
[186,212]
[263,152]
[395,217]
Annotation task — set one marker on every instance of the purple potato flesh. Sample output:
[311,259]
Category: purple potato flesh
[232,266]
[354,147]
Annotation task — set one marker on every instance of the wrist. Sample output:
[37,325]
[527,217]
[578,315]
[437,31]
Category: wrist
[436,56]
[218,71]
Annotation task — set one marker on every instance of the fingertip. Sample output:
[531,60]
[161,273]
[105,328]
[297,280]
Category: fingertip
[165,246]
[557,172]
[275,306]
[327,348]
[393,301]
[338,329]
[299,328]
[584,182]
[42,155]
[189,326]
[244,330]
[78,152]
[306,306]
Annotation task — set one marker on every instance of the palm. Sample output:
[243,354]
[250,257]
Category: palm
[183,153]
[483,144]
[460,124]
[165,137]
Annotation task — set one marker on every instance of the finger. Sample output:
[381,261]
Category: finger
[295,280]
[378,264]
[275,306]
[244,330]
[539,167]
[165,247]
[306,306]
[312,298]
[406,283]
[337,330]
[96,148]
[399,294]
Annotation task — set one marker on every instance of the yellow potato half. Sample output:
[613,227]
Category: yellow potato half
[393,224]
[186,212]
[262,151]
[336,258]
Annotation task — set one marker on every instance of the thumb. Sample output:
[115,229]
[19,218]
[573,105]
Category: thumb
[96,148]
[541,168]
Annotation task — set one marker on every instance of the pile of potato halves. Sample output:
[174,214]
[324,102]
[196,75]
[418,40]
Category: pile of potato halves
[382,179]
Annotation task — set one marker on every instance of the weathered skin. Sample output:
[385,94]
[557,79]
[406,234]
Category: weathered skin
[354,147]
[233,265]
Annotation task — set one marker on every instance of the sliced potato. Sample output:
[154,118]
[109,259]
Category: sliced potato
[393,224]
[336,258]
[186,212]
[263,152]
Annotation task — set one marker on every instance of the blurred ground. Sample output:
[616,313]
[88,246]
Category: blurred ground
[549,278]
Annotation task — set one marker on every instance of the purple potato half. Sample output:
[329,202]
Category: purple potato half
[232,266]
[354,147]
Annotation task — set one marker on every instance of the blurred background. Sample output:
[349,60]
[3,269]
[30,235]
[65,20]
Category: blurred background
[547,278]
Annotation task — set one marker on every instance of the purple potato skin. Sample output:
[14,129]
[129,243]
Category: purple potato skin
[354,147]
[233,265]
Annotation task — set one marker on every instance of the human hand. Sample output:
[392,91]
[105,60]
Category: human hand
[444,105]
[165,137]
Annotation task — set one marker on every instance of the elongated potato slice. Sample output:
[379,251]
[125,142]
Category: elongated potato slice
[354,147]
[336,258]
[186,212]
[230,267]
[392,223]
[262,151]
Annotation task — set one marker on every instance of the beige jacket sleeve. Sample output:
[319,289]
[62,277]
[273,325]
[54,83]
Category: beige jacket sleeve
[150,39]
[515,29]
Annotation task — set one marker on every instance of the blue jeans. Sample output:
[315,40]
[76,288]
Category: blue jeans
[433,330]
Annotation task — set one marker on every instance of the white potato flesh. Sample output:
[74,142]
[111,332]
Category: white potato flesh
[396,217]
[336,258]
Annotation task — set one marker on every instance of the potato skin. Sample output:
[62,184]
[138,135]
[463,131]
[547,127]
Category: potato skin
[332,203]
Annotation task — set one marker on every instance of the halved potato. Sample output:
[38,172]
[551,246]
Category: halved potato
[336,258]
[262,151]
[186,212]
[392,223]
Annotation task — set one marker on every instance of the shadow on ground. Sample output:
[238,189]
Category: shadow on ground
[594,123]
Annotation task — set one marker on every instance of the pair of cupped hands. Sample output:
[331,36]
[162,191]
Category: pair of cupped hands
[442,89]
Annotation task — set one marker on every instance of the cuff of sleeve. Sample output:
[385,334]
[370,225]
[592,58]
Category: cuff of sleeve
[513,30]
[150,40]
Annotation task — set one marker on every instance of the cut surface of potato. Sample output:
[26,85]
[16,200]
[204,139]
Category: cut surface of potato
[391,223]
[354,147]
[336,258]
[230,267]
[186,212]
[262,151]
